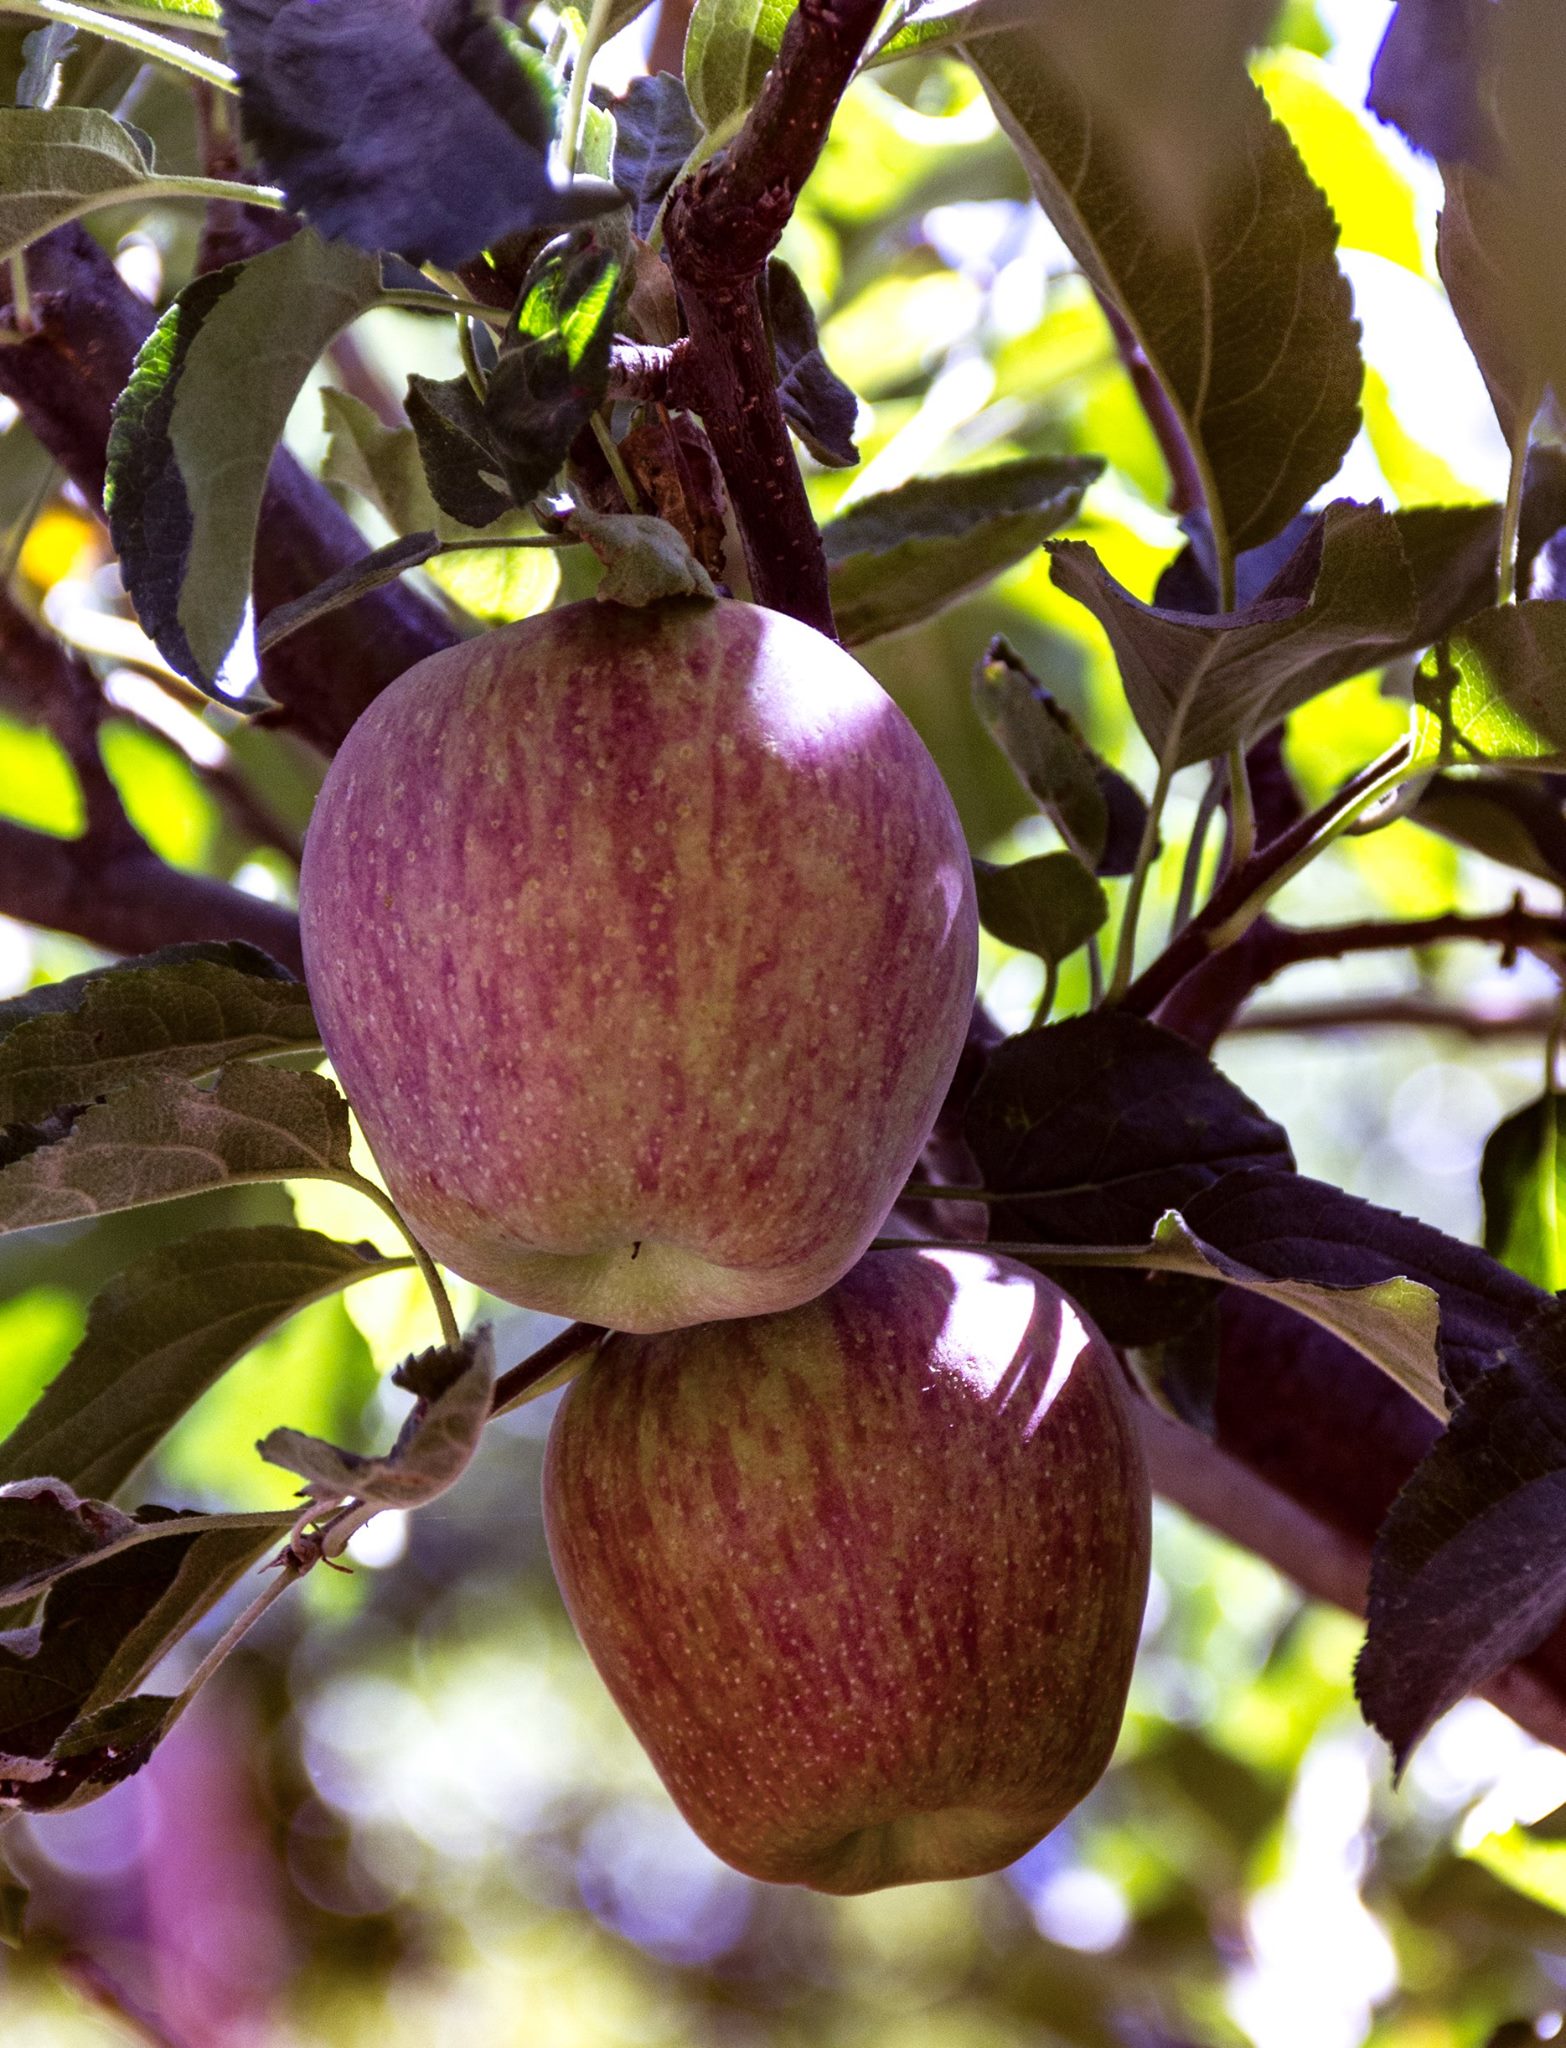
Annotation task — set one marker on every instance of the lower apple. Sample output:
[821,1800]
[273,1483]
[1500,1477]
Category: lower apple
[866,1577]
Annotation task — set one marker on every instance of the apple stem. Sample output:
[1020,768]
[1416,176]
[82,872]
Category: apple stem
[547,1363]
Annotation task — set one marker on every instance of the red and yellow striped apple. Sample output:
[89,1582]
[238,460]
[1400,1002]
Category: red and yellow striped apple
[643,943]
[866,1578]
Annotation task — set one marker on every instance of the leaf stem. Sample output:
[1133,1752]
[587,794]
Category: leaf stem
[616,462]
[444,302]
[163,49]
[450,1334]
[1511,510]
[1146,854]
[1242,811]
[21,296]
[1396,766]
[1191,868]
[576,98]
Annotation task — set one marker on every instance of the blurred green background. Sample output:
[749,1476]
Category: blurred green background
[407,1812]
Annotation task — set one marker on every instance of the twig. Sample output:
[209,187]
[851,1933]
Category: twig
[1409,1013]
[721,227]
[513,1387]
[1206,931]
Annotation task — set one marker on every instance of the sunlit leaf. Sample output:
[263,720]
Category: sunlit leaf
[434,1446]
[1523,1181]
[729,48]
[161,1333]
[187,466]
[183,1011]
[165,1137]
[554,363]
[1247,321]
[903,555]
[1494,694]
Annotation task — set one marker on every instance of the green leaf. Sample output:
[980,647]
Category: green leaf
[553,370]
[162,1138]
[904,555]
[1199,684]
[434,1446]
[57,163]
[1098,813]
[1509,818]
[1523,1181]
[397,470]
[455,450]
[1049,904]
[105,1625]
[161,1333]
[188,464]
[46,1530]
[1246,319]
[1477,260]
[729,48]
[1394,1323]
[1495,694]
[645,560]
[188,1010]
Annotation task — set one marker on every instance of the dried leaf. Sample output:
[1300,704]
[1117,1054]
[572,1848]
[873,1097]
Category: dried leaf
[434,1446]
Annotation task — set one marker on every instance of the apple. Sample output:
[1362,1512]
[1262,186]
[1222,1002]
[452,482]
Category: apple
[866,1578]
[643,943]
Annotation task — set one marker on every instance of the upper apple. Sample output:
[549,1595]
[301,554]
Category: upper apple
[643,943]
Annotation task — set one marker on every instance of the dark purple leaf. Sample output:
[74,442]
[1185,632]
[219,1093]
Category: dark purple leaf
[421,126]
[655,132]
[816,402]
[1103,1123]
[1470,1569]
[1428,77]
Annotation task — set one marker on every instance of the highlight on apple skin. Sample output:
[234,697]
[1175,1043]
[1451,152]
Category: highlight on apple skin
[643,944]
[866,1578]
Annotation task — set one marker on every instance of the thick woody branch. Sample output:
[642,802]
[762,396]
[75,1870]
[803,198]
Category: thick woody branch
[65,377]
[1205,1004]
[1323,1561]
[722,226]
[127,900]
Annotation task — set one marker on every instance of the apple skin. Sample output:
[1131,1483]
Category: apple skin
[865,1578]
[644,944]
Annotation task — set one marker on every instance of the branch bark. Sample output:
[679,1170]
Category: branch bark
[722,226]
[127,900]
[65,378]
